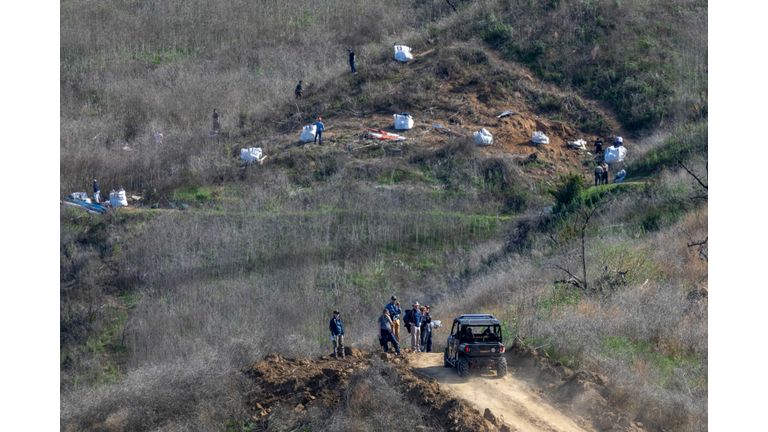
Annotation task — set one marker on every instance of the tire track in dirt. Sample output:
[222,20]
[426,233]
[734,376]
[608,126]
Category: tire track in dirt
[514,401]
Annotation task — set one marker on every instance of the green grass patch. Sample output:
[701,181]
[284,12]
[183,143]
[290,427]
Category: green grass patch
[192,193]
[687,142]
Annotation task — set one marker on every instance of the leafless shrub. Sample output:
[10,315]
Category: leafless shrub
[199,394]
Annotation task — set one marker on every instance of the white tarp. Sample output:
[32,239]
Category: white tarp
[615,154]
[82,196]
[403,121]
[308,133]
[252,154]
[403,53]
[578,144]
[483,138]
[118,199]
[539,138]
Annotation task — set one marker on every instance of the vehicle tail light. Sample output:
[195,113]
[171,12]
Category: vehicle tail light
[466,349]
[501,349]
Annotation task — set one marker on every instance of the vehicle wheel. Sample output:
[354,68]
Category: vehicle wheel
[445,359]
[501,367]
[463,367]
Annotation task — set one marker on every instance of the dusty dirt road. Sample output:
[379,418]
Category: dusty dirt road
[513,400]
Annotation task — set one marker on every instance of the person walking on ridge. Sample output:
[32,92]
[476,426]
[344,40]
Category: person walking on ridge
[413,318]
[298,90]
[319,131]
[96,192]
[216,123]
[385,332]
[394,314]
[337,335]
[352,60]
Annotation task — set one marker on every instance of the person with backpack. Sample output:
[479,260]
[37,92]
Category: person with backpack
[413,325]
[426,330]
[385,332]
[337,335]
[394,315]
[352,60]
[319,131]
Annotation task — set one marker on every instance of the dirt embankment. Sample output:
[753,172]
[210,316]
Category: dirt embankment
[581,395]
[538,394]
[301,385]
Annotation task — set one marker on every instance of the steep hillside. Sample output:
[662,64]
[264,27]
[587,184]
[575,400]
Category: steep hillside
[220,264]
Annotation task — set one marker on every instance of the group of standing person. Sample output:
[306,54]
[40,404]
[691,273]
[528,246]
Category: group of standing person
[417,321]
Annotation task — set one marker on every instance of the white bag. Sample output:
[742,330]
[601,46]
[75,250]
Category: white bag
[403,53]
[483,138]
[403,122]
[615,154]
[118,199]
[539,138]
[308,133]
[251,154]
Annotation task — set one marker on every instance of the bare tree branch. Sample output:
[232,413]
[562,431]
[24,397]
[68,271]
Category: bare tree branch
[449,4]
[692,174]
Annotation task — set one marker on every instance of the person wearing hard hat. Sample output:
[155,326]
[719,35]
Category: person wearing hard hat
[320,128]
[337,335]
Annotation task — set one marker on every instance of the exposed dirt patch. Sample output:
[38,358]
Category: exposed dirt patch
[302,385]
[539,394]
[582,395]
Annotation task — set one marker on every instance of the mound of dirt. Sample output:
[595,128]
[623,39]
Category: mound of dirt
[580,394]
[301,385]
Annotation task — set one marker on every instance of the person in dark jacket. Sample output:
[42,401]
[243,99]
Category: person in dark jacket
[337,335]
[319,131]
[352,60]
[216,123]
[385,332]
[394,314]
[298,90]
[96,192]
[604,165]
[426,330]
[599,146]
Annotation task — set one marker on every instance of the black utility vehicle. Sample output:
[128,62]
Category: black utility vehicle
[475,342]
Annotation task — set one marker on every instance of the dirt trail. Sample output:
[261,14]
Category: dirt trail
[515,402]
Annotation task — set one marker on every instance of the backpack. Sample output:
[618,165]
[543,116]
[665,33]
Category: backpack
[407,318]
